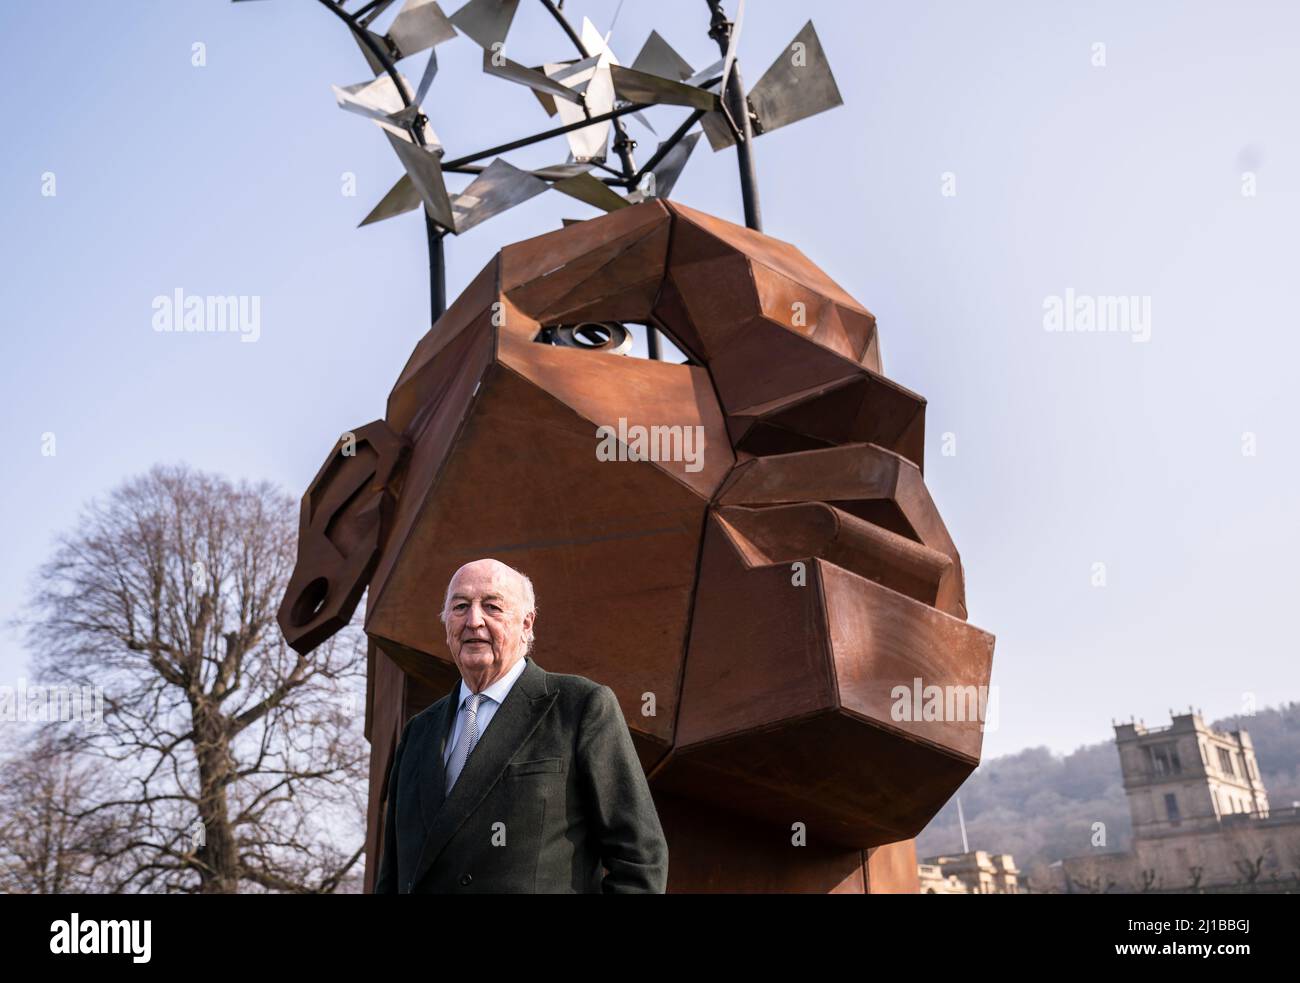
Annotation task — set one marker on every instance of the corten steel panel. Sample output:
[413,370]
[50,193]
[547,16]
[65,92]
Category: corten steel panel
[714,851]
[424,373]
[891,869]
[790,533]
[773,695]
[773,664]
[882,640]
[342,524]
[626,291]
[387,695]
[650,394]
[693,226]
[573,533]
[670,309]
[718,299]
[764,361]
[580,265]
[451,390]
[865,408]
[759,650]
[852,783]
[848,476]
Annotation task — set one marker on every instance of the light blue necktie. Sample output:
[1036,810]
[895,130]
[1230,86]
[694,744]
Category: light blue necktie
[468,738]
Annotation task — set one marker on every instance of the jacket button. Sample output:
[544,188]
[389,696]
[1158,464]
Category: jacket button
[465,878]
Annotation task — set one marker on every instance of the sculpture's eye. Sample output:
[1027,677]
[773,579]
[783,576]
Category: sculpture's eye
[612,337]
[635,338]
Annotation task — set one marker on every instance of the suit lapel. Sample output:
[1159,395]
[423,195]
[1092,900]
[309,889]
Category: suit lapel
[513,723]
[432,772]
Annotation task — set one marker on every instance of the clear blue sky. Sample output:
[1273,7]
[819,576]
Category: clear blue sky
[1071,448]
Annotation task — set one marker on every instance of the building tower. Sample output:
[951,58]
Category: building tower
[1187,776]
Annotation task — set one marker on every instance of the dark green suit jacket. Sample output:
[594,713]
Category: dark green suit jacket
[552,792]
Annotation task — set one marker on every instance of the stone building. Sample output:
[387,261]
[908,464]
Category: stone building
[976,872]
[1201,818]
[934,881]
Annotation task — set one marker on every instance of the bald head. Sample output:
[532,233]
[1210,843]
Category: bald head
[488,611]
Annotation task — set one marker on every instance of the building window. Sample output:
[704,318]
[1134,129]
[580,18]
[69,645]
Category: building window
[1204,759]
[1162,759]
[1225,762]
[1171,807]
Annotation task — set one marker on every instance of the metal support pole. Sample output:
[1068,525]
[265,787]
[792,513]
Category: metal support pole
[434,232]
[502,148]
[437,270]
[733,98]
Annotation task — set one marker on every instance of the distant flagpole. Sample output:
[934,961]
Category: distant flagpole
[961,820]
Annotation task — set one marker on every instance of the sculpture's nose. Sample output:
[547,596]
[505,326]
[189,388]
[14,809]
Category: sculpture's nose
[788,533]
[858,505]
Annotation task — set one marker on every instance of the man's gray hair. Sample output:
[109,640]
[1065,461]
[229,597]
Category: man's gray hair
[530,603]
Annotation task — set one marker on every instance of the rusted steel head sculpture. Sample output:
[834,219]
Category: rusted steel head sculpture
[741,545]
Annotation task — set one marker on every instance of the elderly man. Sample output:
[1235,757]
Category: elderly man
[518,780]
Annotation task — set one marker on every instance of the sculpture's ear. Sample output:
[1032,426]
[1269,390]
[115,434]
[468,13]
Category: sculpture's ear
[346,514]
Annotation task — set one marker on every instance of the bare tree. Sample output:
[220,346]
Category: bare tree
[49,841]
[1249,869]
[237,764]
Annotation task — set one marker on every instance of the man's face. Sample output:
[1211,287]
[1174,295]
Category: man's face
[486,619]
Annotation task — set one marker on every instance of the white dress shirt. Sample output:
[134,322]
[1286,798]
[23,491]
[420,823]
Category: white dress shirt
[487,708]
